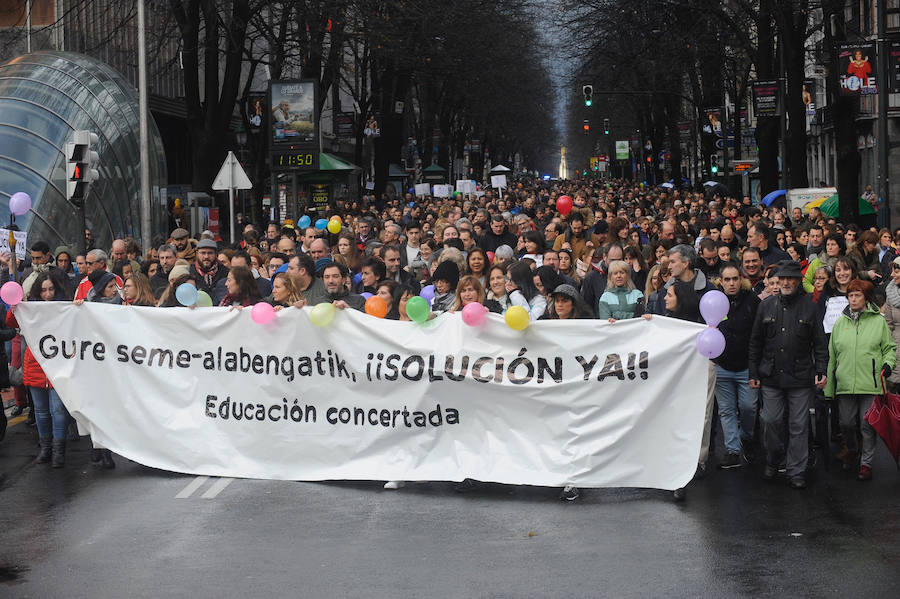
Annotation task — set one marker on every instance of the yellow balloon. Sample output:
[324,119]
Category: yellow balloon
[517,318]
[337,218]
[334,226]
[322,314]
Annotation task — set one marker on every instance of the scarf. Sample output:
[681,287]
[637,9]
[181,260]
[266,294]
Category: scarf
[893,294]
[208,275]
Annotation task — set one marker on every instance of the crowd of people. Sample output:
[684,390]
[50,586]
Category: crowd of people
[814,313]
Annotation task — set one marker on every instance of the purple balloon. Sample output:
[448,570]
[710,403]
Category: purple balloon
[427,293]
[366,294]
[714,307]
[20,203]
[357,277]
[711,343]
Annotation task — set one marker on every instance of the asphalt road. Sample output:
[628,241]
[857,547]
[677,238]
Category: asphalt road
[137,532]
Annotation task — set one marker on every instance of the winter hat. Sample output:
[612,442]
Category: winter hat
[100,279]
[447,271]
[179,270]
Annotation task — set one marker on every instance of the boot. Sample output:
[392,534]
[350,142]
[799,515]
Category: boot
[59,453]
[46,448]
[106,461]
[96,457]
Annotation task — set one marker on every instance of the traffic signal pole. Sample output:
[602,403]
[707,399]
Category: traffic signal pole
[146,221]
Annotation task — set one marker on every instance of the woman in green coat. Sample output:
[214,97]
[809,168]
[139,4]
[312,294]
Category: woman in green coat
[861,351]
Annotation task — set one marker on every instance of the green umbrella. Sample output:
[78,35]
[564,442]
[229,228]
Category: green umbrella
[830,207]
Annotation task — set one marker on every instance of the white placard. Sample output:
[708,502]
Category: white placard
[498,181]
[423,189]
[21,238]
[370,185]
[833,308]
[210,392]
[442,191]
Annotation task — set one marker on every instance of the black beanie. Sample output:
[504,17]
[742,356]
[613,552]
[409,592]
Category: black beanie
[447,271]
[100,279]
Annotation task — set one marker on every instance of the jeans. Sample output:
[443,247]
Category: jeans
[49,413]
[853,408]
[737,407]
[774,403]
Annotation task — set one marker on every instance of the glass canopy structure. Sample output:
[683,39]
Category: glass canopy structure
[44,97]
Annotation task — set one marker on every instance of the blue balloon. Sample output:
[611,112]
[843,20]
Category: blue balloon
[357,278]
[427,293]
[186,294]
[412,190]
[321,224]
[412,204]
[366,294]
[303,222]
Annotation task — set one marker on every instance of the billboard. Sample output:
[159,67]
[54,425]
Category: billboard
[857,69]
[766,99]
[293,107]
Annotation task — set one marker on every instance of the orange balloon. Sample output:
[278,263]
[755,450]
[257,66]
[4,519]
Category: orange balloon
[377,307]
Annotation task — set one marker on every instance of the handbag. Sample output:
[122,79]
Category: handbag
[884,417]
[16,375]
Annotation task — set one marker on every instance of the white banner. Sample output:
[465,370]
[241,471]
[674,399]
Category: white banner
[210,392]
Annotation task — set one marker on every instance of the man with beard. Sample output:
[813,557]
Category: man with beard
[303,270]
[209,274]
[333,278]
[186,247]
[160,280]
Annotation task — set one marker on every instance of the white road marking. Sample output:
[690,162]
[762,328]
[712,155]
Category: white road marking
[191,487]
[216,488]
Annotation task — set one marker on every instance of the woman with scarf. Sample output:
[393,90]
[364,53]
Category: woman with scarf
[242,289]
[835,247]
[50,414]
[861,352]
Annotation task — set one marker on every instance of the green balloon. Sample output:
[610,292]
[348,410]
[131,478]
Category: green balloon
[203,300]
[417,308]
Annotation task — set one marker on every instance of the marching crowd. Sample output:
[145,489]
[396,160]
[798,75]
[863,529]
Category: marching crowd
[814,313]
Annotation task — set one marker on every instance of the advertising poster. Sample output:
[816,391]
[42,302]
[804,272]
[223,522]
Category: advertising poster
[809,96]
[294,112]
[256,111]
[894,66]
[766,99]
[858,70]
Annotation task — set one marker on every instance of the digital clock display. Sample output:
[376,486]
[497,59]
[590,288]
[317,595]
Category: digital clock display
[295,160]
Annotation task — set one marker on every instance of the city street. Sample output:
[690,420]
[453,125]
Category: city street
[138,532]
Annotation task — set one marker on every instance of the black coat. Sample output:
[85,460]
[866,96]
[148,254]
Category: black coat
[787,346]
[737,329]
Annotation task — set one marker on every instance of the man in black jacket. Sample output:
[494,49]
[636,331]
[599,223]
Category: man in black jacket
[497,235]
[737,402]
[788,354]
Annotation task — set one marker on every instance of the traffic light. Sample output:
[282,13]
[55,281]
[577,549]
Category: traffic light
[588,91]
[586,124]
[714,163]
[605,126]
[81,163]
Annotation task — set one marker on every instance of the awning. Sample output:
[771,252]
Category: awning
[330,162]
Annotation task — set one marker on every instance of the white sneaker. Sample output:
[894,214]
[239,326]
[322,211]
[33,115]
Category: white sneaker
[394,484]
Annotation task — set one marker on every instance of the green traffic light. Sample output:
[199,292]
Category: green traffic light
[714,169]
[588,102]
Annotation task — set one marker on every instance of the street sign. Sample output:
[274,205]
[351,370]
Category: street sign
[231,175]
[742,166]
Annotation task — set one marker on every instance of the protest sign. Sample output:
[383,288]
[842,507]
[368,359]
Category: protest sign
[210,392]
[423,189]
[21,238]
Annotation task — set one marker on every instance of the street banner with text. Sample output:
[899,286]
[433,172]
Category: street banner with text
[210,392]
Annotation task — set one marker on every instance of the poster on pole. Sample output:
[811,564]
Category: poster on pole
[293,107]
[809,96]
[622,150]
[498,181]
[894,67]
[858,69]
[766,99]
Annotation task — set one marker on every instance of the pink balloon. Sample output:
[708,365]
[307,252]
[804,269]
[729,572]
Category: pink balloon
[710,343]
[474,314]
[262,313]
[19,203]
[11,293]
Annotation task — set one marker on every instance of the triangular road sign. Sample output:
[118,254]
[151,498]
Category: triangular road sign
[231,175]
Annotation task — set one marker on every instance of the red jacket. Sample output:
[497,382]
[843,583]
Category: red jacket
[33,374]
